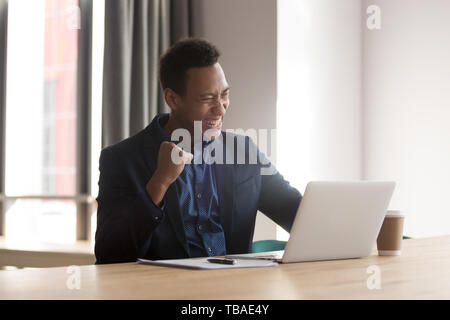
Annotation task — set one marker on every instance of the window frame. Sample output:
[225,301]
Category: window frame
[85,202]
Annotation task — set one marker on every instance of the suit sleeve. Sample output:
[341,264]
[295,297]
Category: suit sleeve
[126,218]
[278,200]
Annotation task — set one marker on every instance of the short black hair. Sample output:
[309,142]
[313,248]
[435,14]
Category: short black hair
[181,56]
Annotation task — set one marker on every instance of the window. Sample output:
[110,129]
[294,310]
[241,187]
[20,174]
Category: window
[42,197]
[319,92]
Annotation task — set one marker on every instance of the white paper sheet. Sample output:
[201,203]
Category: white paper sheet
[204,264]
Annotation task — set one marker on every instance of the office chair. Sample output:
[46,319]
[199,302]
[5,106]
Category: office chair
[267,245]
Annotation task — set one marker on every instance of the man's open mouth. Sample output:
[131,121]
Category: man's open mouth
[209,124]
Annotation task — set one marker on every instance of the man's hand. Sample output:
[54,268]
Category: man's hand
[171,162]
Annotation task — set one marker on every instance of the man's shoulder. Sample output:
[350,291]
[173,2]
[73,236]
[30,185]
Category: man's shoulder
[131,145]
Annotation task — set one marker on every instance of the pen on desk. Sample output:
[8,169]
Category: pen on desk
[221,261]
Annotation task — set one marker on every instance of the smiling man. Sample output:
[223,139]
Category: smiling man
[150,206]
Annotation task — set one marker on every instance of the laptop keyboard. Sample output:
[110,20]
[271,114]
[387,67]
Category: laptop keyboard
[272,255]
[268,257]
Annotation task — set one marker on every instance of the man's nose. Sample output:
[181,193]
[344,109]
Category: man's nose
[220,108]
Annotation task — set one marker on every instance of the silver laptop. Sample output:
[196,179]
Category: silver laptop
[335,220]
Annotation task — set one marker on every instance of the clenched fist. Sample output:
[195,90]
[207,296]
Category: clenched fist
[171,162]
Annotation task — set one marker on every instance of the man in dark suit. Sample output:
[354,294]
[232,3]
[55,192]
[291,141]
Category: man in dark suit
[156,202]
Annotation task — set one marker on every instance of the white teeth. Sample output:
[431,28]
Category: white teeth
[213,123]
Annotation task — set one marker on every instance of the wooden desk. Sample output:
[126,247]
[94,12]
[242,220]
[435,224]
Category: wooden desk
[421,272]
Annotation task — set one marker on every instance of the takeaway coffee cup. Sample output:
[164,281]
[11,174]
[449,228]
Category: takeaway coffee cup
[389,241]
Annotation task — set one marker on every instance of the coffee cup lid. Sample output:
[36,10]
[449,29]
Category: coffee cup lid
[394,214]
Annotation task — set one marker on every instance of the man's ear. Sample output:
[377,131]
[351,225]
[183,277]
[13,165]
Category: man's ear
[173,100]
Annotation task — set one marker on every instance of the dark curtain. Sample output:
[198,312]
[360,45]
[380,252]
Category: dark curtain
[137,32]
[3,34]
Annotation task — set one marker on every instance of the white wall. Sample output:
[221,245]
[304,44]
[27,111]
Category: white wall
[319,91]
[407,109]
[358,104]
[245,33]
[319,79]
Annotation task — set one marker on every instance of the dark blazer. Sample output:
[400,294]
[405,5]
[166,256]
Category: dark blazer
[129,224]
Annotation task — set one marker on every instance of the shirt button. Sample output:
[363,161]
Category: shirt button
[200,227]
[199,195]
[209,249]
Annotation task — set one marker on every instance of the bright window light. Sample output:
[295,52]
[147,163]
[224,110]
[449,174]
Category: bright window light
[41,119]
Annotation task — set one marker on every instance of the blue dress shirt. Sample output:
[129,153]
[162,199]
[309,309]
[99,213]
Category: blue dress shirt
[199,204]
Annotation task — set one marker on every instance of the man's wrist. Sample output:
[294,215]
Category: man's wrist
[160,181]
[156,189]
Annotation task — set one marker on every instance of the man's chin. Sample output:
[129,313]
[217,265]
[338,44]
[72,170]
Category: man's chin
[212,133]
